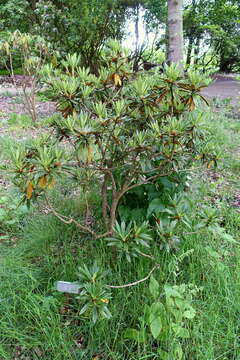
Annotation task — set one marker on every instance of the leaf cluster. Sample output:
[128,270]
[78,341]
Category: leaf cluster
[94,296]
[168,319]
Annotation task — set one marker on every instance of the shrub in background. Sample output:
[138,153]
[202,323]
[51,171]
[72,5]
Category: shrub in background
[31,53]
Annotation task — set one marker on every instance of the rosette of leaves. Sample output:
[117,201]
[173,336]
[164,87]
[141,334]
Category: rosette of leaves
[94,297]
[130,238]
[128,129]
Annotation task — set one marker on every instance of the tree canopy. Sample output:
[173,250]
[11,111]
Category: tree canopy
[210,27]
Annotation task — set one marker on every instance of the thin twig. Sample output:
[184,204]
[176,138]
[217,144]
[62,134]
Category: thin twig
[67,220]
[196,232]
[135,282]
[146,255]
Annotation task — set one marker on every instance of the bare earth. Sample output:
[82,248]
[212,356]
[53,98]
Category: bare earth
[224,86]
[10,104]
[11,97]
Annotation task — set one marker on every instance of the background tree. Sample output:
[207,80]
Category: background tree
[80,26]
[70,25]
[214,26]
[175,32]
[211,28]
[14,14]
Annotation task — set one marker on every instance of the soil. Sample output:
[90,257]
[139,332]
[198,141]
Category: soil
[11,104]
[11,97]
[225,86]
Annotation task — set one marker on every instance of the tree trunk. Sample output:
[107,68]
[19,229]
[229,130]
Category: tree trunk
[189,50]
[175,32]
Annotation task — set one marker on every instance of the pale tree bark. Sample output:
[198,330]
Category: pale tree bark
[175,32]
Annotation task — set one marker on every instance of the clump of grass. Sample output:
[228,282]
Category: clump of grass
[20,121]
[17,71]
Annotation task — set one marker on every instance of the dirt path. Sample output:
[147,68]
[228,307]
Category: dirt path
[224,86]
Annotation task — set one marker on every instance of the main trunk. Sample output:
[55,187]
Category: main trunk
[175,32]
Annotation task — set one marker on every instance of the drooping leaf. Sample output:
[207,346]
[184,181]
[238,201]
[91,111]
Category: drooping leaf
[42,181]
[156,326]
[29,190]
[117,80]
[154,287]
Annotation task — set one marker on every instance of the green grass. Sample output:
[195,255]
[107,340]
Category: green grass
[37,322]
[17,71]
[19,121]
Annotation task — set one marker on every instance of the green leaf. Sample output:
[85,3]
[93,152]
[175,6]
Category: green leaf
[156,309]
[154,287]
[177,352]
[170,291]
[94,315]
[157,312]
[134,334]
[181,303]
[190,313]
[177,314]
[180,331]
[84,309]
[106,313]
[156,205]
[156,327]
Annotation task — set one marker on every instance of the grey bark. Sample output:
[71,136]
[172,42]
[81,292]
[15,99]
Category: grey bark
[175,32]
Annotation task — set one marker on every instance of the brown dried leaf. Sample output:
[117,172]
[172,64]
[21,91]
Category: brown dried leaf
[89,154]
[29,190]
[211,163]
[42,181]
[117,80]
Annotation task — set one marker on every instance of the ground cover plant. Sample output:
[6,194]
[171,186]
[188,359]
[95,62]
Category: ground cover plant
[187,305]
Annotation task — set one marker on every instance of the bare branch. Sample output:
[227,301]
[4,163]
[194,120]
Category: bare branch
[67,220]
[146,255]
[135,282]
